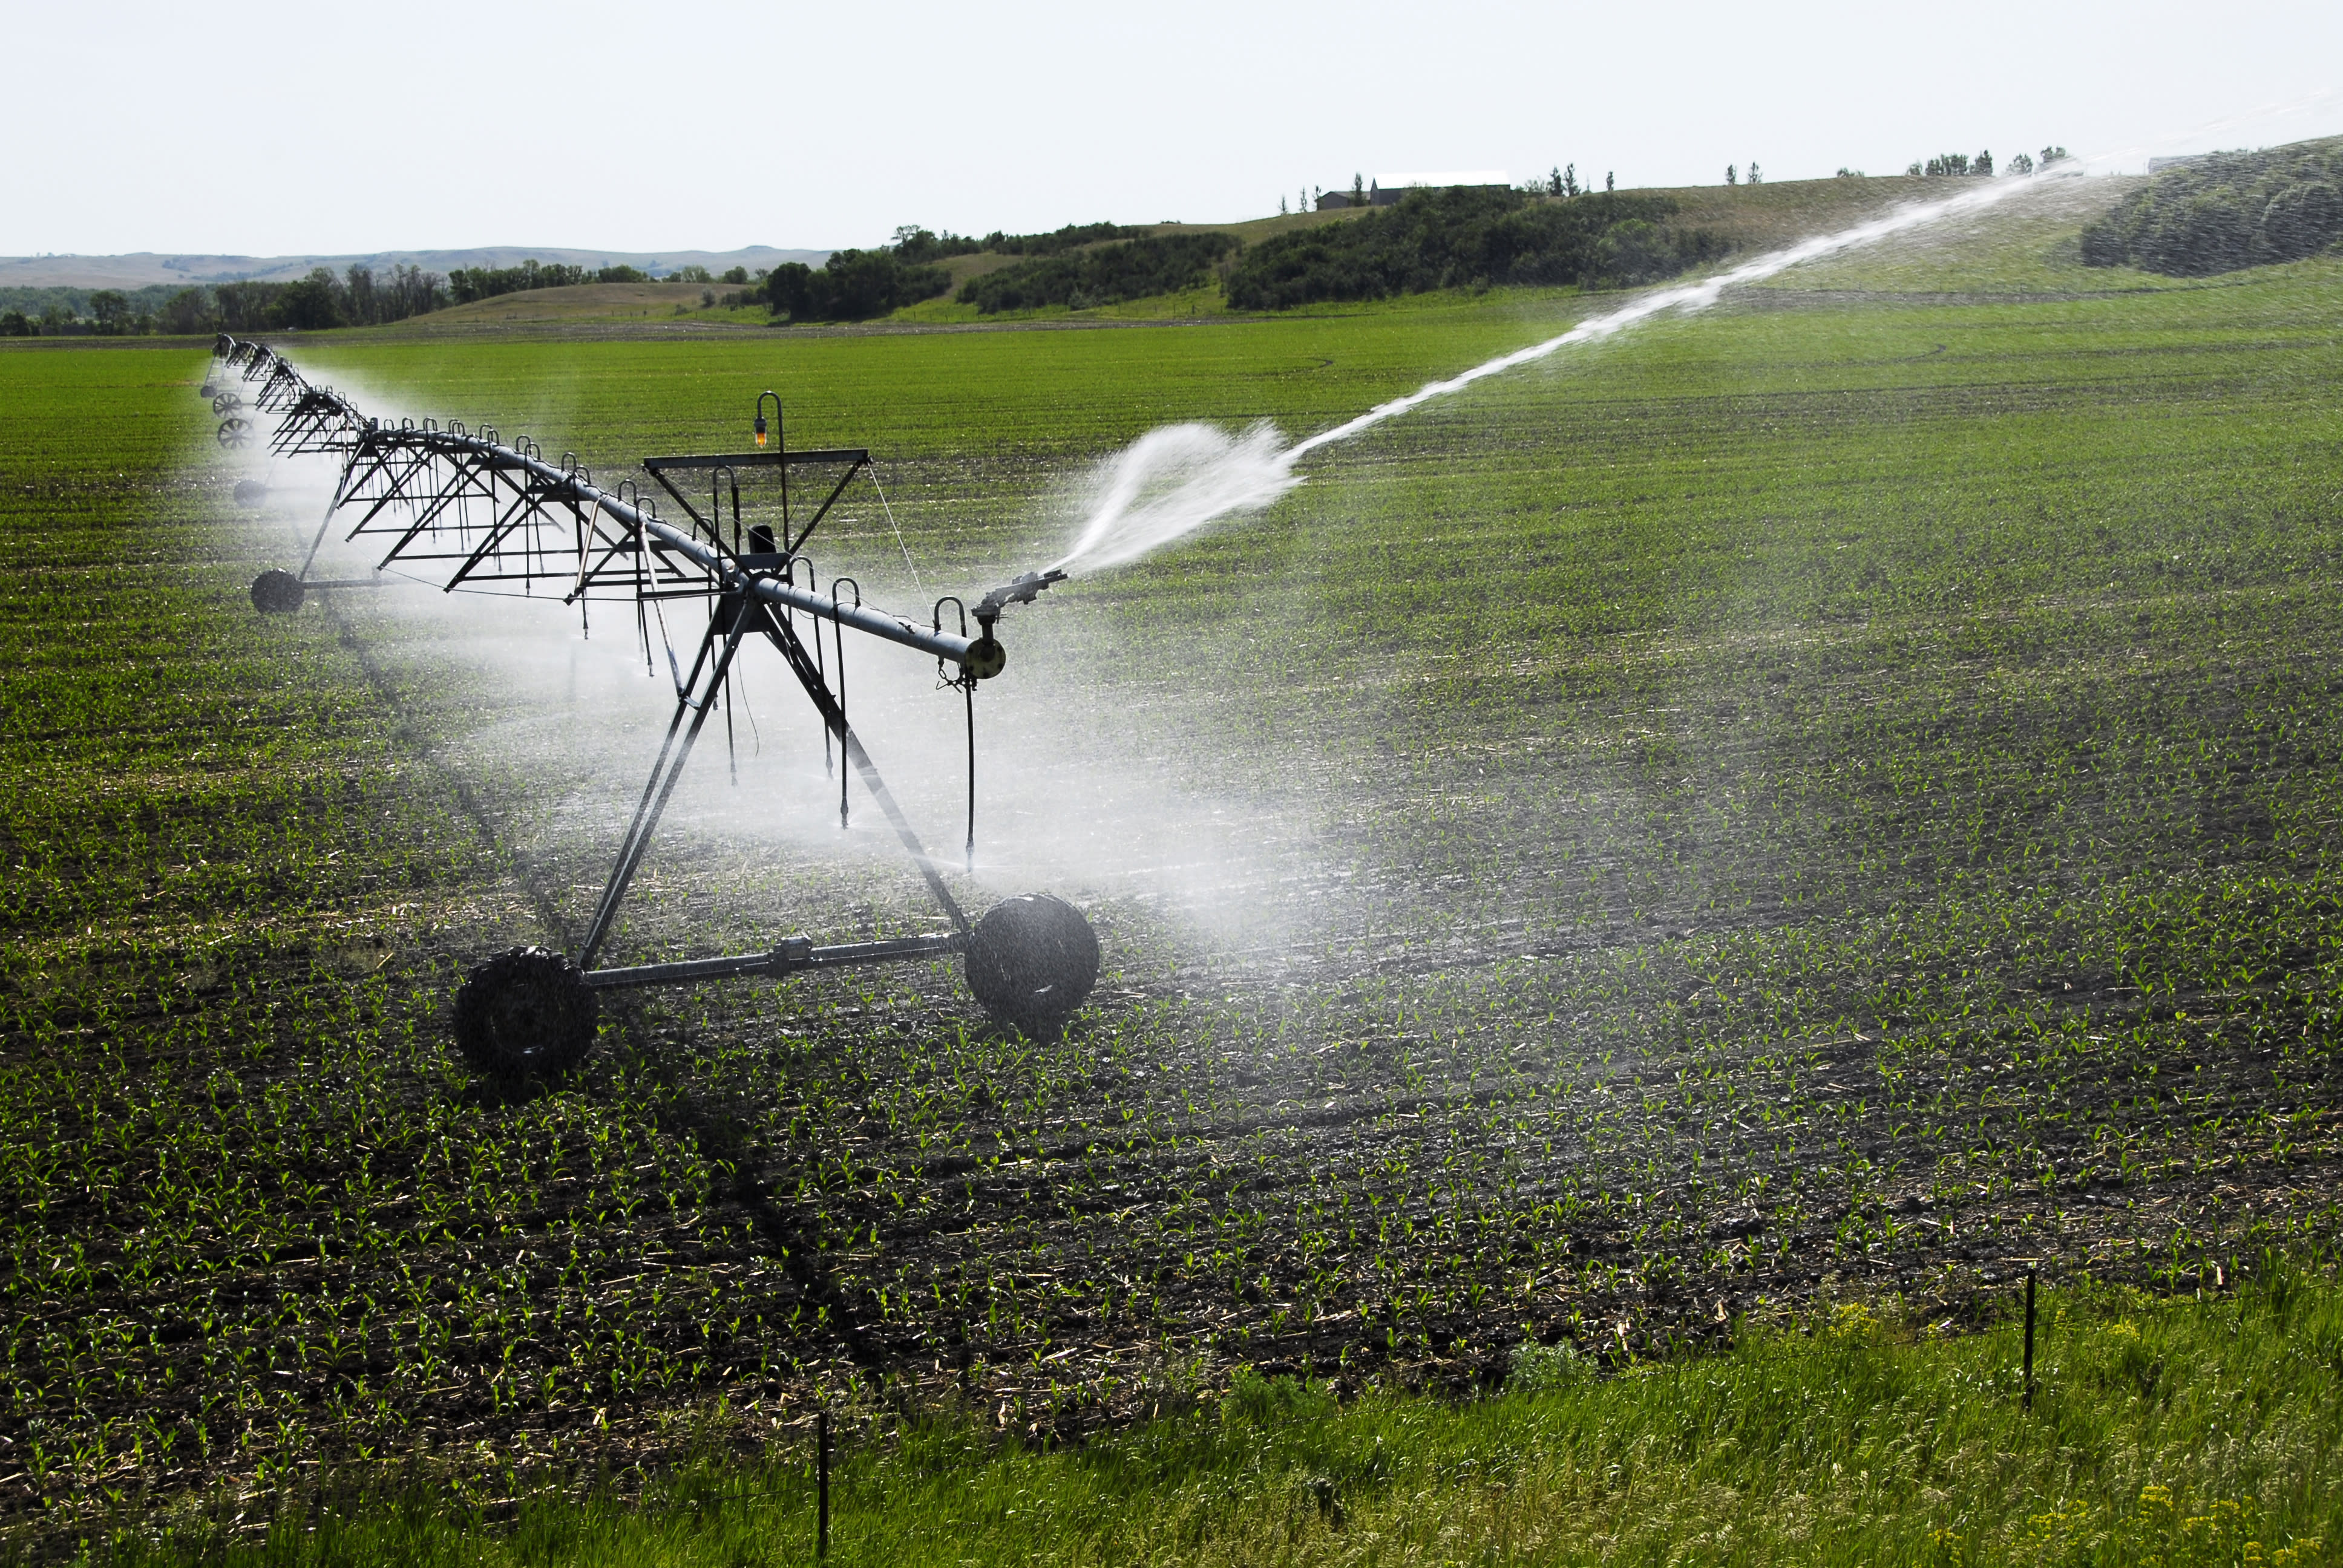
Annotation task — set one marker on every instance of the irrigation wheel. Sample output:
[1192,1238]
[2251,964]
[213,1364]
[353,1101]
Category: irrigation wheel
[227,403]
[526,1013]
[276,592]
[250,492]
[1031,960]
[236,433]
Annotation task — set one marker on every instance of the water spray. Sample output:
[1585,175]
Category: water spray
[1174,480]
[466,511]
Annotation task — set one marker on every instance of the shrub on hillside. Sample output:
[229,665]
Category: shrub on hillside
[852,285]
[1133,269]
[1072,236]
[2227,211]
[1467,236]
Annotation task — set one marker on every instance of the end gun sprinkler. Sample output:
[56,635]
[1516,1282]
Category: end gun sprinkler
[986,657]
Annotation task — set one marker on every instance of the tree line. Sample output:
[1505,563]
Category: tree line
[63,311]
[1563,182]
[358,296]
[466,283]
[1961,165]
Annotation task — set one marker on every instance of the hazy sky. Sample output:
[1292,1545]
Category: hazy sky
[270,128]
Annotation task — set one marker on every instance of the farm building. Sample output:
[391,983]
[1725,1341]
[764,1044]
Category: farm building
[1385,189]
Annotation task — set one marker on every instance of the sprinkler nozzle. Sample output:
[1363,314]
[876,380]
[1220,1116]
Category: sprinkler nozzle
[1024,590]
[986,657]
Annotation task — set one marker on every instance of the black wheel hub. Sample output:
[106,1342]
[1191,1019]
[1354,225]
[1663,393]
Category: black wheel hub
[526,1012]
[276,593]
[1032,960]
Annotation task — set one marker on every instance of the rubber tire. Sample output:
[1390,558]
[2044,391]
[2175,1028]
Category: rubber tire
[276,592]
[251,493]
[527,1012]
[1032,961]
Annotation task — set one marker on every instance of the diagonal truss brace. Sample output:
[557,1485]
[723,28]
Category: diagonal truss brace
[738,616]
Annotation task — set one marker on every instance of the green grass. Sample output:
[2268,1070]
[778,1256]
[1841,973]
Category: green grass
[2031,245]
[1838,794]
[2193,1432]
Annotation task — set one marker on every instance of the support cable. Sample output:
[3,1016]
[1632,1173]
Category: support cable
[898,530]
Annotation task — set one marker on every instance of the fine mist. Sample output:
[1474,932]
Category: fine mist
[553,732]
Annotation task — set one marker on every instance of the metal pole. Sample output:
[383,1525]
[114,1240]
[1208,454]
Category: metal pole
[657,793]
[341,489]
[968,691]
[837,640]
[780,594]
[2027,1399]
[822,1487]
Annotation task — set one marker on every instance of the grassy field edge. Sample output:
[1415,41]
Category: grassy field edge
[2201,1428]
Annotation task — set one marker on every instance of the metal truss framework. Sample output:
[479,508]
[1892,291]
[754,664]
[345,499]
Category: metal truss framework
[466,510]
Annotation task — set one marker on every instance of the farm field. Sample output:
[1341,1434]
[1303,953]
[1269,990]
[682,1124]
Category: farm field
[1831,799]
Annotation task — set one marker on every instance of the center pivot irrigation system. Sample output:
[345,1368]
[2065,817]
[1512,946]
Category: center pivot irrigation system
[464,511]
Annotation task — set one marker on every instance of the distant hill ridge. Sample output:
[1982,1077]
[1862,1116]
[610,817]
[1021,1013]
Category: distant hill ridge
[142,268]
